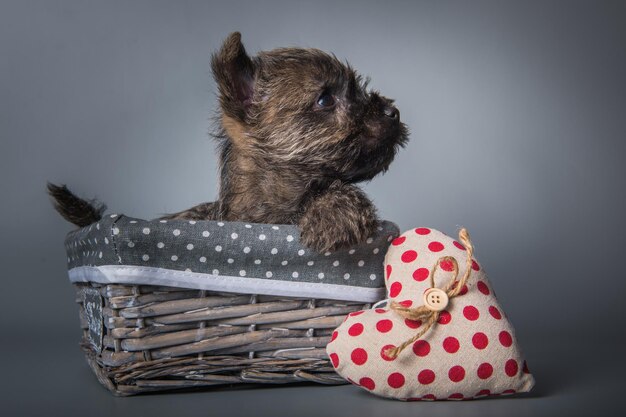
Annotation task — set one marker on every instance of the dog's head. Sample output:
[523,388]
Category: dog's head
[305,109]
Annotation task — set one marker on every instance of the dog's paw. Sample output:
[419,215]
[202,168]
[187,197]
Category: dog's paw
[329,235]
[338,219]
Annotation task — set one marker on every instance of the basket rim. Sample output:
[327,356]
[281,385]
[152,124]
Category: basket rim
[134,275]
[240,257]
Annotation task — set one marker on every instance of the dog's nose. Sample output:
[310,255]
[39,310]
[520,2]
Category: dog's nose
[391,112]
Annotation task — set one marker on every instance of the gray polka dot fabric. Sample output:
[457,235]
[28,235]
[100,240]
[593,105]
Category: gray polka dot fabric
[238,257]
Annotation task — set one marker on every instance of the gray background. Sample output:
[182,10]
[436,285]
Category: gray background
[518,120]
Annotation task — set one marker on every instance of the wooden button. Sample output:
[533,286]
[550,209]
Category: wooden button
[435,299]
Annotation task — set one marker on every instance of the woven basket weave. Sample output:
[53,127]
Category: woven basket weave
[163,338]
[176,305]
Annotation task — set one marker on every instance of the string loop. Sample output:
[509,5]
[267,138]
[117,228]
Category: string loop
[452,289]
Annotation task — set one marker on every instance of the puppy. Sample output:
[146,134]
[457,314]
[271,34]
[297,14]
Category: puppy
[297,130]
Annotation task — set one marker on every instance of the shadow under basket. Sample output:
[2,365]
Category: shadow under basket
[185,304]
[148,338]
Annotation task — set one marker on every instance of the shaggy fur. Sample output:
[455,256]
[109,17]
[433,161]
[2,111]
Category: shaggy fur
[298,128]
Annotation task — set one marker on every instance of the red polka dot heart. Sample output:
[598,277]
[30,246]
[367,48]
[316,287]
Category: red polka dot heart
[470,352]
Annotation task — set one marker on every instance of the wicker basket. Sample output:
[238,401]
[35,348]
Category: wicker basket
[161,338]
[206,330]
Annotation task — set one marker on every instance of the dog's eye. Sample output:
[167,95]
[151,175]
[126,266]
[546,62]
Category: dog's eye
[326,101]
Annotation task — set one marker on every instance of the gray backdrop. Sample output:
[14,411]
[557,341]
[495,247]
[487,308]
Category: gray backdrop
[518,119]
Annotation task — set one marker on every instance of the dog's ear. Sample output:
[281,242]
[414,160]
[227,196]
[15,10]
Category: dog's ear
[234,73]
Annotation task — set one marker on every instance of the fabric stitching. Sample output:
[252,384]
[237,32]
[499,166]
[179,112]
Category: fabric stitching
[114,240]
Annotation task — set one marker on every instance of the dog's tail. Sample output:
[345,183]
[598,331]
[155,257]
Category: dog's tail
[74,209]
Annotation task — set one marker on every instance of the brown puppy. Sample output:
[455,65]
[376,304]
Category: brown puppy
[298,129]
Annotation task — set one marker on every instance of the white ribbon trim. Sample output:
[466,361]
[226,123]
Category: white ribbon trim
[135,275]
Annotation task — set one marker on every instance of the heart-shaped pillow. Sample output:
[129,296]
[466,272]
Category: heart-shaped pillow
[452,342]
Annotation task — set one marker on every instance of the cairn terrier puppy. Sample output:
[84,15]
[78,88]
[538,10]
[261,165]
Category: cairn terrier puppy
[297,130]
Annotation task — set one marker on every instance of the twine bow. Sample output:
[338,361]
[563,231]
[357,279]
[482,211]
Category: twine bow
[452,289]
